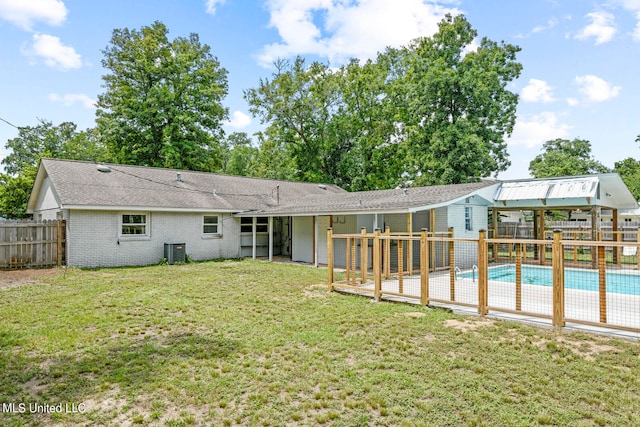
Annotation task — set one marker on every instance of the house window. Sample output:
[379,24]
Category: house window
[246,224]
[210,224]
[134,225]
[467,218]
[262,224]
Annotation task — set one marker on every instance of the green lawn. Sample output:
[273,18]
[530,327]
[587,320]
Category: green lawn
[253,343]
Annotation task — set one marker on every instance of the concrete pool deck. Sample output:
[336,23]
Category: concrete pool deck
[580,305]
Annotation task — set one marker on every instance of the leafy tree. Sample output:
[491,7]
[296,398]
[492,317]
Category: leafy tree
[15,191]
[629,170]
[62,141]
[562,157]
[163,100]
[427,112]
[297,103]
[459,108]
[240,155]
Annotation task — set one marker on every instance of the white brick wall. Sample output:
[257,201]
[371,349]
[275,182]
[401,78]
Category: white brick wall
[93,238]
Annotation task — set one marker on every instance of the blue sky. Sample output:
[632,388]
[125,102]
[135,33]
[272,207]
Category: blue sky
[581,59]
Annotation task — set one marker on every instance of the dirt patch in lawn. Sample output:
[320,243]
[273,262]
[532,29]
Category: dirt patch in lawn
[467,325]
[14,278]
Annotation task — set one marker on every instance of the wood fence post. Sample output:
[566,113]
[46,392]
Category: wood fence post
[424,268]
[377,265]
[330,258]
[59,239]
[452,267]
[364,248]
[602,283]
[557,258]
[518,276]
[387,254]
[483,265]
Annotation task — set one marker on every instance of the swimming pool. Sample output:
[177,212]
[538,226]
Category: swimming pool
[588,280]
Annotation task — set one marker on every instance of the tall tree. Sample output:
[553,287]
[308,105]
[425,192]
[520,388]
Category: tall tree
[562,157]
[163,100]
[297,103]
[459,107]
[240,155]
[629,170]
[431,112]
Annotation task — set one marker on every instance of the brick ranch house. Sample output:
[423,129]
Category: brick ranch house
[118,215]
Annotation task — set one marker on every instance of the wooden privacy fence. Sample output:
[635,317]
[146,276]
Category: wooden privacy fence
[27,244]
[532,278]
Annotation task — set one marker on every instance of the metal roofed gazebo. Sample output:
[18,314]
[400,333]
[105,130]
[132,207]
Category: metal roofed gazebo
[587,193]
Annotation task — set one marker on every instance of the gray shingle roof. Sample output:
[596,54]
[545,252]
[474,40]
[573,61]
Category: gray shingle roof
[80,183]
[380,200]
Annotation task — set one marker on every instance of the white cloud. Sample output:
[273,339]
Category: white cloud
[572,102]
[596,89]
[54,53]
[536,130]
[602,27]
[239,120]
[211,6]
[24,13]
[550,24]
[537,91]
[72,98]
[339,30]
[636,30]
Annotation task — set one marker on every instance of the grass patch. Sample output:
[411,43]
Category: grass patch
[253,343]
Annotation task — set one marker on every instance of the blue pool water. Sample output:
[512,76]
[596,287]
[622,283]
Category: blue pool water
[587,280]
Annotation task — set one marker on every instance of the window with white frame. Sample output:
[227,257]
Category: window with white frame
[468,215]
[210,224]
[134,225]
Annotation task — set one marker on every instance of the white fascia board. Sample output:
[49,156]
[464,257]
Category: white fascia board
[324,213]
[449,203]
[144,208]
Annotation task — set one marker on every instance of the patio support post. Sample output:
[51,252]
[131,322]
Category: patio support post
[377,265]
[543,248]
[270,239]
[330,258]
[424,268]
[557,258]
[316,237]
[254,235]
[483,265]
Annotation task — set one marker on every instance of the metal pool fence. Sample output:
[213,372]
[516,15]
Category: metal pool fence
[588,282]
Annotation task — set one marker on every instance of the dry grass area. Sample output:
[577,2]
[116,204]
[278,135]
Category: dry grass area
[253,343]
